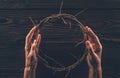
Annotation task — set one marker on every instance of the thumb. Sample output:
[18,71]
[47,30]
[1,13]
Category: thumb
[88,59]
[90,49]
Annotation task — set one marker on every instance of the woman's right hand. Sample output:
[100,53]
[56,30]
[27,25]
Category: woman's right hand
[94,49]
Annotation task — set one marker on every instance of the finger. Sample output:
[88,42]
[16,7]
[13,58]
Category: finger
[30,36]
[36,33]
[38,40]
[90,49]
[92,35]
[90,32]
[37,43]
[32,49]
[35,56]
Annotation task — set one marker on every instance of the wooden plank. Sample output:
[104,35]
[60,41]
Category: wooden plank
[15,24]
[15,4]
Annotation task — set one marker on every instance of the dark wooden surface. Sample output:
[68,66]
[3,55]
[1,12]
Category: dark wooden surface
[15,4]
[15,24]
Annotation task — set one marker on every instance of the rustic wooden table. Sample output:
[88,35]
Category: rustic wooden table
[102,17]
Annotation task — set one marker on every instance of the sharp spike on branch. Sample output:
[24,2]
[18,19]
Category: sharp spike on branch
[61,7]
[32,21]
[80,12]
[67,74]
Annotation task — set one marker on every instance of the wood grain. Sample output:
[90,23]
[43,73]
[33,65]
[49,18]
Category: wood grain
[15,24]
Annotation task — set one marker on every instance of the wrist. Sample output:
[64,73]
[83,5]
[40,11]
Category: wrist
[95,72]
[31,67]
[99,69]
[29,72]
[95,68]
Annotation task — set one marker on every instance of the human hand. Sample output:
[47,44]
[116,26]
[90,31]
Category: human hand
[94,49]
[31,48]
[93,58]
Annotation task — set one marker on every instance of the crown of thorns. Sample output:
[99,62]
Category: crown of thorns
[64,16]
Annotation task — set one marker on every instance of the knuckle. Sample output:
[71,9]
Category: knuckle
[101,47]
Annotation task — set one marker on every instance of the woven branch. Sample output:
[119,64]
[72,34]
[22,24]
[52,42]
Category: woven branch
[64,16]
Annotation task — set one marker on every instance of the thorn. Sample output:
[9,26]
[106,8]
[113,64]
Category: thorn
[80,12]
[32,21]
[61,7]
